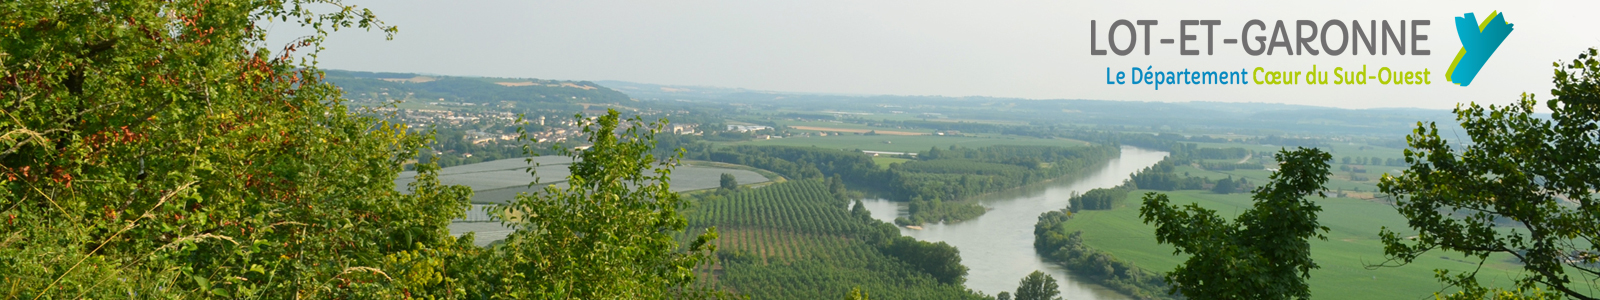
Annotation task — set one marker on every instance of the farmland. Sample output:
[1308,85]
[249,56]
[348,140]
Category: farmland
[1351,246]
[796,240]
[896,143]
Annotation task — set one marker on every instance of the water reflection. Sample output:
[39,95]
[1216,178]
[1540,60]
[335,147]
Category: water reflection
[998,246]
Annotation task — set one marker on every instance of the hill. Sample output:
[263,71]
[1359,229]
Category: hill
[1214,117]
[371,86]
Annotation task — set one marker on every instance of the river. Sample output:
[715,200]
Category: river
[998,246]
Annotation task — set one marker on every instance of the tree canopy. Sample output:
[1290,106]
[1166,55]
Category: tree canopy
[1523,187]
[609,234]
[1037,286]
[159,149]
[1264,252]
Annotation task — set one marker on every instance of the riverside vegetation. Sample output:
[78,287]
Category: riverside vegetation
[932,182]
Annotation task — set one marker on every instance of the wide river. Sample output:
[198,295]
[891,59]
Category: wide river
[998,246]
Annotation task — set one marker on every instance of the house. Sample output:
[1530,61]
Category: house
[683,129]
[747,128]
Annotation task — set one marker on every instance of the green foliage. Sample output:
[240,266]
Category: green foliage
[157,150]
[609,234]
[1068,250]
[1229,166]
[1264,252]
[452,142]
[802,162]
[938,259]
[1519,168]
[857,294]
[1161,177]
[935,210]
[1194,151]
[728,182]
[935,181]
[945,174]
[1038,286]
[942,175]
[1098,199]
[1229,185]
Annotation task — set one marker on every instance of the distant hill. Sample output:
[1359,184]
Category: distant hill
[1243,118]
[482,90]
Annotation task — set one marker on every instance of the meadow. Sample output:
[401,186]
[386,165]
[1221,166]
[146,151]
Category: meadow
[1352,246]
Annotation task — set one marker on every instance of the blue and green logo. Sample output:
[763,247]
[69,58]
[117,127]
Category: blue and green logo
[1478,42]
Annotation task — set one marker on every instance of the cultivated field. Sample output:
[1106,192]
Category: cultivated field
[896,143]
[1352,245]
[832,129]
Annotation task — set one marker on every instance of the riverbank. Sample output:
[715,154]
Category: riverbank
[998,246]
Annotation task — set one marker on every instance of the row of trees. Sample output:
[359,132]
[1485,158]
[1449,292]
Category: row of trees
[940,176]
[935,181]
[1067,249]
[1098,199]
[1376,161]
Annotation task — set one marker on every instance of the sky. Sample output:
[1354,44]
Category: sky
[1023,49]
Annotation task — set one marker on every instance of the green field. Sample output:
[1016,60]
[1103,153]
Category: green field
[884,161]
[1352,244]
[843,125]
[1338,150]
[900,143]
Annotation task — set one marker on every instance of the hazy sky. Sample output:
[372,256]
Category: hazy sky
[1028,49]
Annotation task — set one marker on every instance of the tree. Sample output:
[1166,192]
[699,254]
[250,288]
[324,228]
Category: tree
[1004,295]
[609,234]
[1038,286]
[857,294]
[1225,186]
[728,182]
[1263,253]
[162,149]
[1523,172]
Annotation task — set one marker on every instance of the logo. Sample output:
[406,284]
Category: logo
[1478,42]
